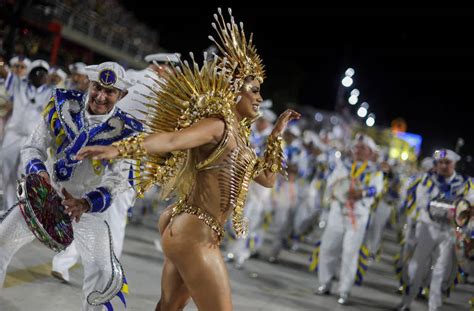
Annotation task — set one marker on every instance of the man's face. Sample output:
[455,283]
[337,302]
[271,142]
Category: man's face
[361,152]
[19,69]
[101,99]
[445,167]
[38,76]
[55,79]
[81,82]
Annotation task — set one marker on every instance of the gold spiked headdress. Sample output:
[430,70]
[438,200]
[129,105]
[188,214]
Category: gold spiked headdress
[242,58]
[191,94]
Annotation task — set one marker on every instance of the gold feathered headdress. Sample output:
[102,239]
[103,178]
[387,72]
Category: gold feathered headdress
[242,58]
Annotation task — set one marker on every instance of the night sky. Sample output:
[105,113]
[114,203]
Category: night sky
[415,63]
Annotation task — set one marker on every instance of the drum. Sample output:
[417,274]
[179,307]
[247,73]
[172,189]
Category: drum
[441,211]
[41,207]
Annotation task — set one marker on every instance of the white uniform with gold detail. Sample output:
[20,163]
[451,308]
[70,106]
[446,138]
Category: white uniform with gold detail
[346,227]
[435,234]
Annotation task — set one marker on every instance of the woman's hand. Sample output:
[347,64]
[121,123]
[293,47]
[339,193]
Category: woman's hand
[97,153]
[283,120]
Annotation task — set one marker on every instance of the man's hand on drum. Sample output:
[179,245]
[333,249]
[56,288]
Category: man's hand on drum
[355,194]
[74,207]
[45,176]
[98,153]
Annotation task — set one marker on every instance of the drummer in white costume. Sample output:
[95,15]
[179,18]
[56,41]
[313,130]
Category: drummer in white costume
[434,232]
[70,121]
[29,97]
[348,216]
[117,214]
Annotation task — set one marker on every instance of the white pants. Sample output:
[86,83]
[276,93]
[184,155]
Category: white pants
[378,221]
[341,240]
[14,233]
[407,252]
[116,217]
[430,239]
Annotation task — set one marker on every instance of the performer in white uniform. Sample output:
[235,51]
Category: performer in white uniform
[29,97]
[353,187]
[72,120]
[18,68]
[116,217]
[434,231]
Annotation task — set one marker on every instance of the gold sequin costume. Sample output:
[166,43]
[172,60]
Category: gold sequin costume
[192,94]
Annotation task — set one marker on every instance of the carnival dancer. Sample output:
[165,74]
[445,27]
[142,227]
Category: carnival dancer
[200,147]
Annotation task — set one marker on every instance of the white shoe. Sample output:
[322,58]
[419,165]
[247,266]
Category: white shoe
[229,257]
[343,299]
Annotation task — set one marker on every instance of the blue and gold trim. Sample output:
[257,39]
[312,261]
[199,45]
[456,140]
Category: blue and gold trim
[65,117]
[314,259]
[35,166]
[362,264]
[121,294]
[99,200]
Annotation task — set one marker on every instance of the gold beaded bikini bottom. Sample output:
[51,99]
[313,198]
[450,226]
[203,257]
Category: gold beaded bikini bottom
[183,207]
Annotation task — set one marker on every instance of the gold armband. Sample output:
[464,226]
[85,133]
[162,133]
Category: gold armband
[131,147]
[273,156]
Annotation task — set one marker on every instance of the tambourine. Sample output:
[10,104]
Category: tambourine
[41,207]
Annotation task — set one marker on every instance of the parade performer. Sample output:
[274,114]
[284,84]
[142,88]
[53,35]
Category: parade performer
[71,120]
[199,146]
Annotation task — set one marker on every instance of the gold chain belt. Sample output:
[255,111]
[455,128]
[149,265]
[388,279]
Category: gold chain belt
[183,207]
